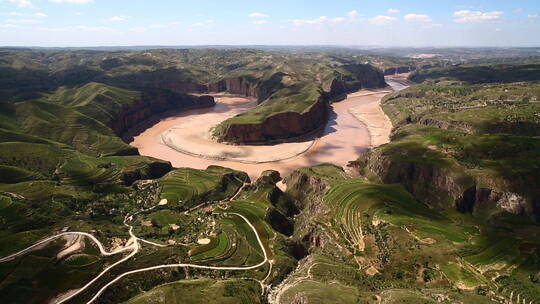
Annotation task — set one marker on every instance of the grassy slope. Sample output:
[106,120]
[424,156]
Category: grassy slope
[476,108]
[482,135]
[485,73]
[97,100]
[280,78]
[411,246]
[291,99]
[189,291]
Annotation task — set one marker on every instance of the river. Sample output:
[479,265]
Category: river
[355,124]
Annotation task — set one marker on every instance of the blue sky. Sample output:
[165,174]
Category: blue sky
[275,22]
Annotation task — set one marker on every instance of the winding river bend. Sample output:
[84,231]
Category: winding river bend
[356,124]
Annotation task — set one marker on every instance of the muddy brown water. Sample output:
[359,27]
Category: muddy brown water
[343,139]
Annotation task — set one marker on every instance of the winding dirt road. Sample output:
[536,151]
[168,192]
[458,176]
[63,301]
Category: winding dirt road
[134,246]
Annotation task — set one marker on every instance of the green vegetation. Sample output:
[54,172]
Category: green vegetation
[486,108]
[459,274]
[478,143]
[187,187]
[298,98]
[202,291]
[445,213]
[390,241]
[81,260]
[215,248]
[5,201]
[101,85]
[481,73]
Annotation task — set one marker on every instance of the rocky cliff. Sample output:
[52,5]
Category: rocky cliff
[152,170]
[445,184]
[278,126]
[307,187]
[153,102]
[246,86]
[399,70]
[280,96]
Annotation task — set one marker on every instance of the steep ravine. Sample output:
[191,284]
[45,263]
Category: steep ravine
[449,185]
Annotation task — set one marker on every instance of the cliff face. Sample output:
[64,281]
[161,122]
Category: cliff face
[429,183]
[249,86]
[153,170]
[430,121]
[153,102]
[237,85]
[287,125]
[444,187]
[339,89]
[399,70]
[355,77]
[278,126]
[308,189]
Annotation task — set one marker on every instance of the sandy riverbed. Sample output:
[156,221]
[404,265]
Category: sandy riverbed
[192,136]
[355,124]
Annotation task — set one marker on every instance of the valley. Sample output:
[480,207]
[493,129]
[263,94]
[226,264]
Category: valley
[252,176]
[186,138]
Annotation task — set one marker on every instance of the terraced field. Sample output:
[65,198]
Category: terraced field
[357,200]
[215,249]
[407,246]
[215,291]
[186,187]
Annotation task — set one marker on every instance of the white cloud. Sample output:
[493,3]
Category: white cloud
[202,23]
[41,15]
[353,15]
[258,15]
[12,14]
[72,1]
[430,26]
[138,29]
[21,3]
[77,28]
[27,21]
[518,10]
[150,27]
[393,11]
[533,16]
[4,26]
[320,20]
[466,16]
[260,22]
[417,18]
[117,18]
[381,20]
